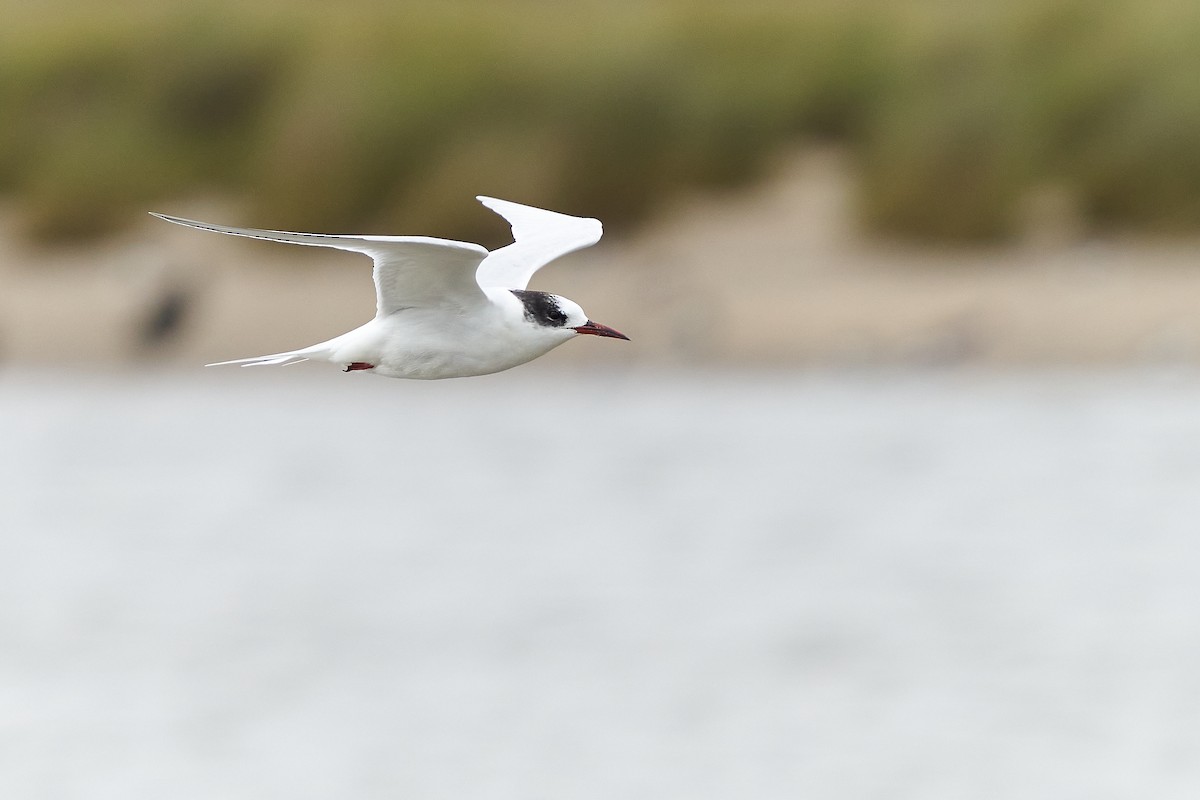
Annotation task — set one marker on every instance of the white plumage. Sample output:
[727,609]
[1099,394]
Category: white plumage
[447,309]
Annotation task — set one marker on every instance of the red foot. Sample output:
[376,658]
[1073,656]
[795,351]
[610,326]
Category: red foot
[358,365]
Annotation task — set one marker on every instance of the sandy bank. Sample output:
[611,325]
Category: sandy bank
[776,275]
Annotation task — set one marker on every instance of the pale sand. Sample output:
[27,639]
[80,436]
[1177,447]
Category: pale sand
[776,275]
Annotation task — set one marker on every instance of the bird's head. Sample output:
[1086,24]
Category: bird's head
[557,316]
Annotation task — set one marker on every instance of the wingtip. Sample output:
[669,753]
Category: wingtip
[504,207]
[168,218]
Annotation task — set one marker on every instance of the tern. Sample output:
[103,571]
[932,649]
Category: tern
[447,309]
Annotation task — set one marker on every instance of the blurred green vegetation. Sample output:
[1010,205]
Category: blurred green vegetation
[374,115]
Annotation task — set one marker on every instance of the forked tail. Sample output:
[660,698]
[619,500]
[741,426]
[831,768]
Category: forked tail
[277,359]
[323,351]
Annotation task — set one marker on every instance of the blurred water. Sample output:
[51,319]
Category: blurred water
[547,584]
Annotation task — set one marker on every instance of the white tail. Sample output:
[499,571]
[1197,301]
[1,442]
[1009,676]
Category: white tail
[322,351]
[280,359]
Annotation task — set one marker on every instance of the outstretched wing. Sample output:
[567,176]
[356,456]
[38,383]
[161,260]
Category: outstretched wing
[410,271]
[540,237]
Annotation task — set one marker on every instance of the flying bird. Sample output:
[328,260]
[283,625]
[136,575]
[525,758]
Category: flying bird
[447,309]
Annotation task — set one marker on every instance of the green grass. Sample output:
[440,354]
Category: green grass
[389,117]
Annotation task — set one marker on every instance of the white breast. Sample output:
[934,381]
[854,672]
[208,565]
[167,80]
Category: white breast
[436,343]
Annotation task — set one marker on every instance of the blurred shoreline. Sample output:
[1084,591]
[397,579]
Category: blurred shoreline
[776,275]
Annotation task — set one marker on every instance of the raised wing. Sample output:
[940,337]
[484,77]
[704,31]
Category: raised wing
[410,271]
[540,237]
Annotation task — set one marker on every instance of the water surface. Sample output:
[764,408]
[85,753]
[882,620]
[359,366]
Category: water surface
[299,584]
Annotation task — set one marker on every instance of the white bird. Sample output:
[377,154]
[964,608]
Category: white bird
[447,309]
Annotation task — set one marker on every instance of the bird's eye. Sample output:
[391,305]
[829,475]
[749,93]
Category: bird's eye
[556,315]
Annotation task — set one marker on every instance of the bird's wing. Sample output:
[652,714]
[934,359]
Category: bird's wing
[540,237]
[410,271]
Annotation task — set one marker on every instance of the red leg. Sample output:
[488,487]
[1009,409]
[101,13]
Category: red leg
[358,365]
